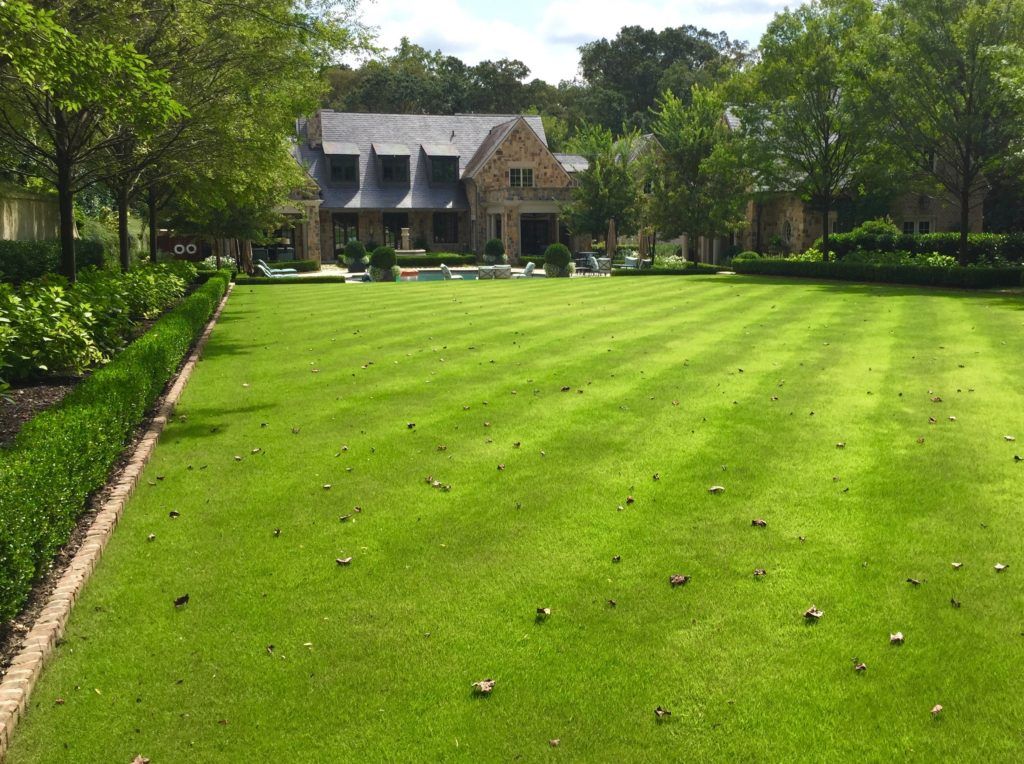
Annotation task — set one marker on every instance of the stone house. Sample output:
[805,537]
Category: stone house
[453,181]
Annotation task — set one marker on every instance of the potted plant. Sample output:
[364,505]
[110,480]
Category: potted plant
[494,253]
[558,261]
[384,264]
[355,257]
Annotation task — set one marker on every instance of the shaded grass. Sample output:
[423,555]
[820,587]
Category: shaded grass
[374,661]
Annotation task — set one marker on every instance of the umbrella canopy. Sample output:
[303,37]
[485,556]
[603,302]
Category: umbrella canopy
[611,244]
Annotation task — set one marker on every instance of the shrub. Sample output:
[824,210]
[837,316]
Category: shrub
[967,278]
[692,269]
[262,281]
[65,453]
[670,263]
[355,252]
[26,260]
[558,261]
[667,249]
[494,252]
[383,264]
[302,266]
[743,257]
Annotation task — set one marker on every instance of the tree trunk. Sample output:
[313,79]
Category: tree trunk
[758,244]
[65,198]
[246,258]
[965,224]
[218,245]
[123,244]
[152,222]
[826,208]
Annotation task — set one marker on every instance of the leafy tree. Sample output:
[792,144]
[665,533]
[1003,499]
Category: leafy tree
[62,96]
[694,168]
[627,75]
[945,77]
[609,189]
[802,107]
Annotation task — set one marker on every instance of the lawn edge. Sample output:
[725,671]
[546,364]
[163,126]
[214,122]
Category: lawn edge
[38,645]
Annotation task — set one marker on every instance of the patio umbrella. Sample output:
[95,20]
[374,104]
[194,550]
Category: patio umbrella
[611,242]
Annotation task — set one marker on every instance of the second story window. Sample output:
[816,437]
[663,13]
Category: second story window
[344,170]
[520,177]
[444,169]
[394,169]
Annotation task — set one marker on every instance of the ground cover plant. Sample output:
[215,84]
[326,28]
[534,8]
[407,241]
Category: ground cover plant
[375,497]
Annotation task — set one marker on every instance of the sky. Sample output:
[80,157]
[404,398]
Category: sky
[545,34]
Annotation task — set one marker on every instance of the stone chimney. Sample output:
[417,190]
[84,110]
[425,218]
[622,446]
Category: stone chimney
[314,130]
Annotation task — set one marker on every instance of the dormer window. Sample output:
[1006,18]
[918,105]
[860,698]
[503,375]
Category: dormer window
[444,169]
[394,169]
[344,170]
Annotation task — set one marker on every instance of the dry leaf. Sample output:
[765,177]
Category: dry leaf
[173,514]
[344,518]
[295,431]
[1009,439]
[954,602]
[813,614]
[678,580]
[517,444]
[277,532]
[344,561]
[1000,567]
[566,389]
[716,489]
[662,713]
[957,565]
[860,667]
[501,468]
[656,476]
[840,445]
[327,486]
[760,573]
[952,419]
[270,649]
[182,600]
[59,702]
[920,441]
[759,523]
[936,399]
[484,686]
[410,425]
[630,500]
[913,581]
[140,759]
[238,458]
[151,537]
[612,603]
[936,709]
[617,558]
[896,639]
[543,612]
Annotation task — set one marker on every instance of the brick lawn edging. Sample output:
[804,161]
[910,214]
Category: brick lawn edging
[40,641]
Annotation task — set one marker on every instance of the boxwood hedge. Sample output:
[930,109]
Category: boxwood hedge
[66,453]
[965,278]
[27,260]
[981,246]
[692,269]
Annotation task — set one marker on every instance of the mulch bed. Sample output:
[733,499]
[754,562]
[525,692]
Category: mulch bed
[19,404]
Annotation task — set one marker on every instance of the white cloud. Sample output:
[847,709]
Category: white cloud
[545,35]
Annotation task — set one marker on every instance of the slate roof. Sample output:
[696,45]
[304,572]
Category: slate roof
[463,134]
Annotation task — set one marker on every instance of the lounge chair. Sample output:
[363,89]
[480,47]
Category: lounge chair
[446,274]
[263,269]
[276,271]
[527,271]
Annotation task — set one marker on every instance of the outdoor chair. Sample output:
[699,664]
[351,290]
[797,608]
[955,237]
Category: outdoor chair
[527,271]
[593,265]
[446,274]
[263,269]
[276,271]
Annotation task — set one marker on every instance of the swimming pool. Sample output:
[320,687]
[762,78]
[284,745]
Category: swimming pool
[434,274]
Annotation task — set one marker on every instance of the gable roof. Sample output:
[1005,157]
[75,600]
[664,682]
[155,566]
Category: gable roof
[422,135]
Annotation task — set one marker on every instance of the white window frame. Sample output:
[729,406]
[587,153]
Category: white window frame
[522,176]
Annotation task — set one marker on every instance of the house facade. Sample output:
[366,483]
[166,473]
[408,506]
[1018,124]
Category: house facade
[453,181]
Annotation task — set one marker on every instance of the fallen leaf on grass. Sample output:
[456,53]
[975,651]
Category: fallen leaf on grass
[957,565]
[759,523]
[566,389]
[238,458]
[840,445]
[151,537]
[936,399]
[182,600]
[813,614]
[344,518]
[410,425]
[920,441]
[270,649]
[954,602]
[656,476]
[860,666]
[662,713]
[1009,439]
[173,514]
[501,468]
[630,500]
[256,450]
[897,638]
[59,702]
[295,430]
[484,686]
[1000,567]
[543,613]
[327,486]
[913,582]
[716,489]
[517,444]
[760,573]
[617,558]
[678,580]
[344,561]
[936,709]
[277,532]
[554,742]
[140,759]
[612,603]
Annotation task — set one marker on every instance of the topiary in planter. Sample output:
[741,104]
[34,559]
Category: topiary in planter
[558,261]
[382,264]
[355,256]
[494,252]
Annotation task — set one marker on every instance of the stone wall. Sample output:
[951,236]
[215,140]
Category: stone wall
[28,216]
[522,148]
[943,214]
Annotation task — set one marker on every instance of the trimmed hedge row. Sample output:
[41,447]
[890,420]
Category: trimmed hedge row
[65,453]
[693,269]
[27,260]
[966,278]
[981,246]
[262,281]
[432,261]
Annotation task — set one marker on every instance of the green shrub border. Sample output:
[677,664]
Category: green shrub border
[693,269]
[432,261]
[915,275]
[263,281]
[65,454]
[26,260]
[302,266]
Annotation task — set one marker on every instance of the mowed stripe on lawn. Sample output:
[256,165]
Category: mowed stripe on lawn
[374,661]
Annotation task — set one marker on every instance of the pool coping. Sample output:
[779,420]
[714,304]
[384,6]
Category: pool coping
[39,644]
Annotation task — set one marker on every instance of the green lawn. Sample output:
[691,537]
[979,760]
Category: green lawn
[744,383]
